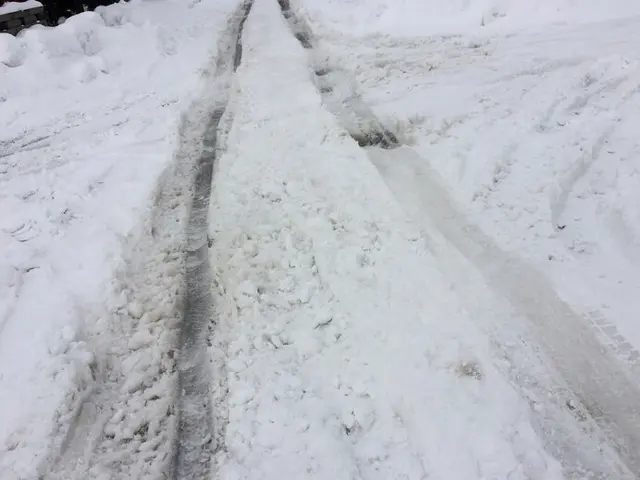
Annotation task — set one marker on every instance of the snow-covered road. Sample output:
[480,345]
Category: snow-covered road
[421,258]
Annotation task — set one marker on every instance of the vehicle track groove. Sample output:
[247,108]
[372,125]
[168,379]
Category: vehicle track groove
[195,444]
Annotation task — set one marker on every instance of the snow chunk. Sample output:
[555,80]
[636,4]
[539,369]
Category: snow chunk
[141,338]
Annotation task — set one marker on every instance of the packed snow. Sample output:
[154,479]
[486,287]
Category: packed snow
[460,307]
[532,133]
[522,156]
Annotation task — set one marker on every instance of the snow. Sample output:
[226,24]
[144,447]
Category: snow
[11,7]
[347,352]
[461,307]
[540,153]
[407,18]
[523,161]
[89,117]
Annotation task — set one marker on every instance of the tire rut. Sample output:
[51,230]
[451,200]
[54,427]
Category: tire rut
[147,412]
[196,444]
[341,98]
[605,389]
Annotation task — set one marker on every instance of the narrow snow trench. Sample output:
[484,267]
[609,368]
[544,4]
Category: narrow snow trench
[195,446]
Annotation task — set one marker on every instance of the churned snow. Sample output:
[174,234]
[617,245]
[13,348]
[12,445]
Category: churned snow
[347,353]
[89,116]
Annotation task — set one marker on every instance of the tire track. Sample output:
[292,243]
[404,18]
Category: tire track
[147,411]
[195,444]
[337,92]
[605,389]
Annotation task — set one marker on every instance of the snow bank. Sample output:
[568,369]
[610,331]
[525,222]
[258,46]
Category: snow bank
[89,113]
[11,7]
[427,17]
[347,353]
[84,48]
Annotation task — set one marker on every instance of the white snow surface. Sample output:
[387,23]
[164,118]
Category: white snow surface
[523,157]
[532,135]
[11,7]
[347,353]
[89,115]
[428,17]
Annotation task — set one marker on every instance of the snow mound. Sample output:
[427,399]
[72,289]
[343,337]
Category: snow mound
[82,49]
[116,15]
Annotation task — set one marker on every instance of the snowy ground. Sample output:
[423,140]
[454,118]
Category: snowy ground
[527,138]
[416,18]
[460,307]
[532,135]
[90,113]
[338,307]
[333,335]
